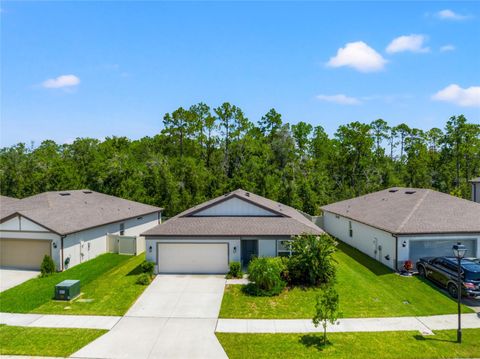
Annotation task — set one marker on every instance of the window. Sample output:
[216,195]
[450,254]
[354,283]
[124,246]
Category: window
[283,249]
[350,230]
[122,229]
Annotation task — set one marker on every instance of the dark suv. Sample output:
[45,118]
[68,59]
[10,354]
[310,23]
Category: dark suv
[443,271]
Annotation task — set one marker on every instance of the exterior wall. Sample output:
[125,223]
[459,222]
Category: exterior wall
[90,243]
[234,207]
[404,252]
[476,192]
[21,228]
[374,242]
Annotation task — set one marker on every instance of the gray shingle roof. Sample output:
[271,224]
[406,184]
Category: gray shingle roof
[67,212]
[411,211]
[475,180]
[285,220]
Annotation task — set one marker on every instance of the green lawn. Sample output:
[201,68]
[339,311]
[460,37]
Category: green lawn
[386,345]
[108,280]
[366,288]
[44,341]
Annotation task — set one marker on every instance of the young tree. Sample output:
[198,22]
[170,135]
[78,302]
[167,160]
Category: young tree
[326,309]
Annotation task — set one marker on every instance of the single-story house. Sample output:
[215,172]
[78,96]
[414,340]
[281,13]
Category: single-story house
[475,189]
[400,224]
[234,227]
[70,226]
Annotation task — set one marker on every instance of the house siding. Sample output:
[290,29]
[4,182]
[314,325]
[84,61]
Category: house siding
[234,207]
[374,242]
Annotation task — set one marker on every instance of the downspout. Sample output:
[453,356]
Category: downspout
[61,251]
[396,253]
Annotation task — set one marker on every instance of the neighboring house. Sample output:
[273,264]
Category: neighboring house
[475,189]
[399,224]
[234,227]
[70,226]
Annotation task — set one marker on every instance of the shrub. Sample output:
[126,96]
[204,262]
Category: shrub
[47,267]
[235,270]
[144,279]
[265,273]
[147,267]
[312,261]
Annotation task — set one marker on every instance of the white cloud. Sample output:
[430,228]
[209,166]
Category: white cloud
[340,99]
[446,48]
[359,56]
[448,14]
[412,43]
[61,81]
[466,97]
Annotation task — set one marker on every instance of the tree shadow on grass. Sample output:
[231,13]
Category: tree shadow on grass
[316,341]
[371,264]
[423,338]
[135,271]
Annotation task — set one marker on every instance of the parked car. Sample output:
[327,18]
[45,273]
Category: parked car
[443,271]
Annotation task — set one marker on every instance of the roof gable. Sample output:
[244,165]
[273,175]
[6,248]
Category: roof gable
[234,206]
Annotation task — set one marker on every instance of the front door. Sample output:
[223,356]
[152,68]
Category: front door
[249,250]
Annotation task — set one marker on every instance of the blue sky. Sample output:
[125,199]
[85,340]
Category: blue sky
[97,69]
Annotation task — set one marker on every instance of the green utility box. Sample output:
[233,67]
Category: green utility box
[67,290]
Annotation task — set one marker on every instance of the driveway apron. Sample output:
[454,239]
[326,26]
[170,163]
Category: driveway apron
[175,317]
[10,277]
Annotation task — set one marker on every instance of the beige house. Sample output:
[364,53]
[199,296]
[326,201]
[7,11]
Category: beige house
[70,226]
[234,227]
[400,224]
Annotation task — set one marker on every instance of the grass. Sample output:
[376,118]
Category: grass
[44,341]
[366,287]
[108,281]
[385,345]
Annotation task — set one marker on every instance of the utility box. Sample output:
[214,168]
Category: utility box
[67,290]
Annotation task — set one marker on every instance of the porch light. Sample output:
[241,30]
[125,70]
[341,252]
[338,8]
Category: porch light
[404,244]
[459,252]
[235,249]
[150,249]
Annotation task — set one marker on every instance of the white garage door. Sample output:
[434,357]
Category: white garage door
[23,253]
[211,258]
[439,248]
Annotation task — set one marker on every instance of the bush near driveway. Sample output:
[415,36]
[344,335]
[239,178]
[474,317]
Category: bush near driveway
[107,283]
[384,345]
[235,270]
[58,342]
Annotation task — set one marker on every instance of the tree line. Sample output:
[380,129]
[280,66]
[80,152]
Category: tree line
[203,152]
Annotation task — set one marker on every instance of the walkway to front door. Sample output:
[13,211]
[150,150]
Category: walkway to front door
[174,318]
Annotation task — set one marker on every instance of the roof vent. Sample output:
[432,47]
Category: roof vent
[64,194]
[393,190]
[87,192]
[410,192]
[247,194]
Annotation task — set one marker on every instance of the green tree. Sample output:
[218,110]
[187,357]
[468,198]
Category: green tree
[326,309]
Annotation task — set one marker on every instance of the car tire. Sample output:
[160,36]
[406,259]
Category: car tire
[422,272]
[452,290]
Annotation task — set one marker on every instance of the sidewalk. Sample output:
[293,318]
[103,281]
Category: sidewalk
[423,324]
[59,321]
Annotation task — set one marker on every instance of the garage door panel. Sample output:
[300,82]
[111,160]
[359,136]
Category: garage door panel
[439,248]
[193,258]
[20,253]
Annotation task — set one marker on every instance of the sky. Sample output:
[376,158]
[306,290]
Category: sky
[100,69]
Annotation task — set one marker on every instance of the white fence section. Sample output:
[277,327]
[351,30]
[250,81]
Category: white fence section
[131,245]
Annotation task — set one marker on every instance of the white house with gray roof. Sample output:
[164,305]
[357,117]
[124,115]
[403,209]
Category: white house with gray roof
[400,224]
[70,226]
[232,227]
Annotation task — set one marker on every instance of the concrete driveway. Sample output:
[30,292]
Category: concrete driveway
[175,317]
[10,277]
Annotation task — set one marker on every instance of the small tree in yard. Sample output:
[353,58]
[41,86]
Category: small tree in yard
[47,267]
[326,310]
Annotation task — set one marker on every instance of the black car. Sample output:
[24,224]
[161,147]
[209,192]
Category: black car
[443,271]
